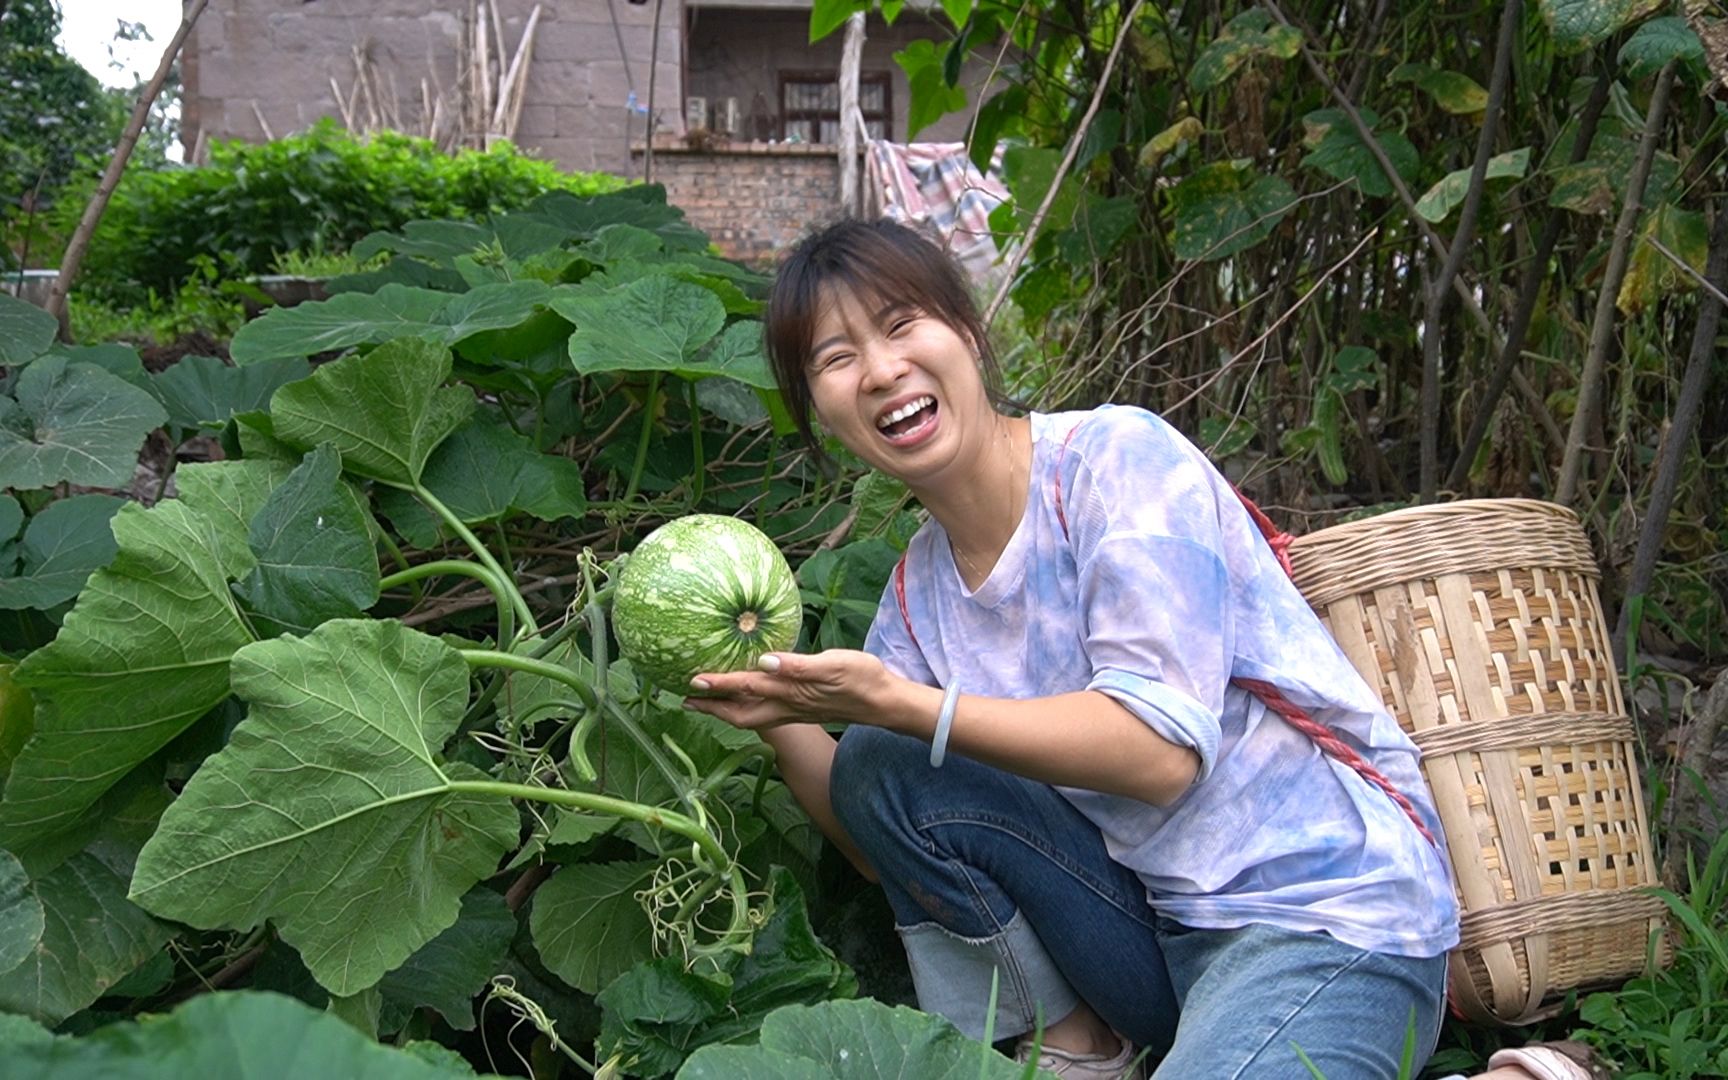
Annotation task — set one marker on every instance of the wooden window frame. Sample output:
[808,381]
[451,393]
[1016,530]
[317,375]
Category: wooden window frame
[876,78]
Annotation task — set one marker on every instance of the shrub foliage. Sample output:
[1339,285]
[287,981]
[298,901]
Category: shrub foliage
[322,190]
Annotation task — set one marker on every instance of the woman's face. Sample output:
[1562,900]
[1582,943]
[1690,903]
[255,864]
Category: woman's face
[898,387]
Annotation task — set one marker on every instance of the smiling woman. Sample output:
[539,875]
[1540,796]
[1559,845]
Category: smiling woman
[1121,839]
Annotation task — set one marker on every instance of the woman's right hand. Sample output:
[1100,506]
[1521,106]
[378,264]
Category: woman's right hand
[791,688]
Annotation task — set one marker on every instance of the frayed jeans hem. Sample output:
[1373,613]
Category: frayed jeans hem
[952,975]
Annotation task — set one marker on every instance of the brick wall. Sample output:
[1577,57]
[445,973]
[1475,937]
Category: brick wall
[754,199]
[277,59]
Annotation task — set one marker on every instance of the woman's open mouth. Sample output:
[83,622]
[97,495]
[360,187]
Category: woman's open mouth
[906,423]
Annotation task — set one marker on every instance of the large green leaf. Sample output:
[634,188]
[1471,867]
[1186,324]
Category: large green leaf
[1453,91]
[1657,42]
[449,970]
[1579,24]
[316,560]
[1099,225]
[11,520]
[329,812]
[386,411]
[1248,35]
[142,654]
[1339,152]
[73,422]
[394,311]
[621,243]
[485,470]
[1584,187]
[17,719]
[92,936]
[21,922]
[1598,183]
[551,488]
[232,1034]
[1029,171]
[933,96]
[827,16]
[477,471]
[121,361]
[64,544]
[337,323]
[854,1040]
[656,323]
[359,1010]
[230,494]
[588,926]
[643,205]
[203,391]
[1224,208]
[736,354]
[431,239]
[26,331]
[1649,273]
[489,307]
[1438,202]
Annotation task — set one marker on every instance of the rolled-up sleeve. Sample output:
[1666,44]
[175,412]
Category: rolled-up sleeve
[1157,633]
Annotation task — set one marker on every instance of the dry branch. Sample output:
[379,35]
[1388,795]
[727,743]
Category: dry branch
[81,236]
[1602,329]
[1685,420]
[1430,391]
[1025,242]
[1528,293]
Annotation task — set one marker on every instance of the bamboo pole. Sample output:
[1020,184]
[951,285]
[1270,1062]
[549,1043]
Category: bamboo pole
[512,87]
[81,236]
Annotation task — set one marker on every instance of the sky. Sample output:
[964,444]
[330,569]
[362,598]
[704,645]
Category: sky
[87,30]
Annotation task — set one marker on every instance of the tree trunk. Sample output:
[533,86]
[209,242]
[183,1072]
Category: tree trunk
[850,128]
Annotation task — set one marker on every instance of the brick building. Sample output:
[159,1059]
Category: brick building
[759,172]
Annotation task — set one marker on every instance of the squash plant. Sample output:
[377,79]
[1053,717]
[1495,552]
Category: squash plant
[251,754]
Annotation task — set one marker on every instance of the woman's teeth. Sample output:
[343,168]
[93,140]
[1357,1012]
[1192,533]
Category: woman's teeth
[909,409]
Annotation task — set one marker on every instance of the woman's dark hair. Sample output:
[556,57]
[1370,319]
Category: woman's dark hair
[883,264]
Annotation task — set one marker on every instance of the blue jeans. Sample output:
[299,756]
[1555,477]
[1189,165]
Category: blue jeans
[989,873]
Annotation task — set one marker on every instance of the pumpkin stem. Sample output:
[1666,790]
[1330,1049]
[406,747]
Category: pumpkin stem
[747,622]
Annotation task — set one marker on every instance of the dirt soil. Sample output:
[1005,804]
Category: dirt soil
[161,357]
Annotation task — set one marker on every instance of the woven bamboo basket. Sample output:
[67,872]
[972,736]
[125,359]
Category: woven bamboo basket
[1480,625]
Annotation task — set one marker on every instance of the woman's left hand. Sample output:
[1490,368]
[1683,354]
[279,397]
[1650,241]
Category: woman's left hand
[793,688]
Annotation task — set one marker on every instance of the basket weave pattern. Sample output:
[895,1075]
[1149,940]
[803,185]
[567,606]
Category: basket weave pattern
[1480,625]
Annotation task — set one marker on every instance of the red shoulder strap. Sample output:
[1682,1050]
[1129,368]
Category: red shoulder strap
[900,597]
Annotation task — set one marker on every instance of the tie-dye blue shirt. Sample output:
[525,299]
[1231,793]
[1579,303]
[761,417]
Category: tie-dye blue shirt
[1158,593]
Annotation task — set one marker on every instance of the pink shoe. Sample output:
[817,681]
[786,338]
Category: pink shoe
[1071,1066]
[1553,1061]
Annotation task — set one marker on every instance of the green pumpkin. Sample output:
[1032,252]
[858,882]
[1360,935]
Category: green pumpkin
[700,594]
